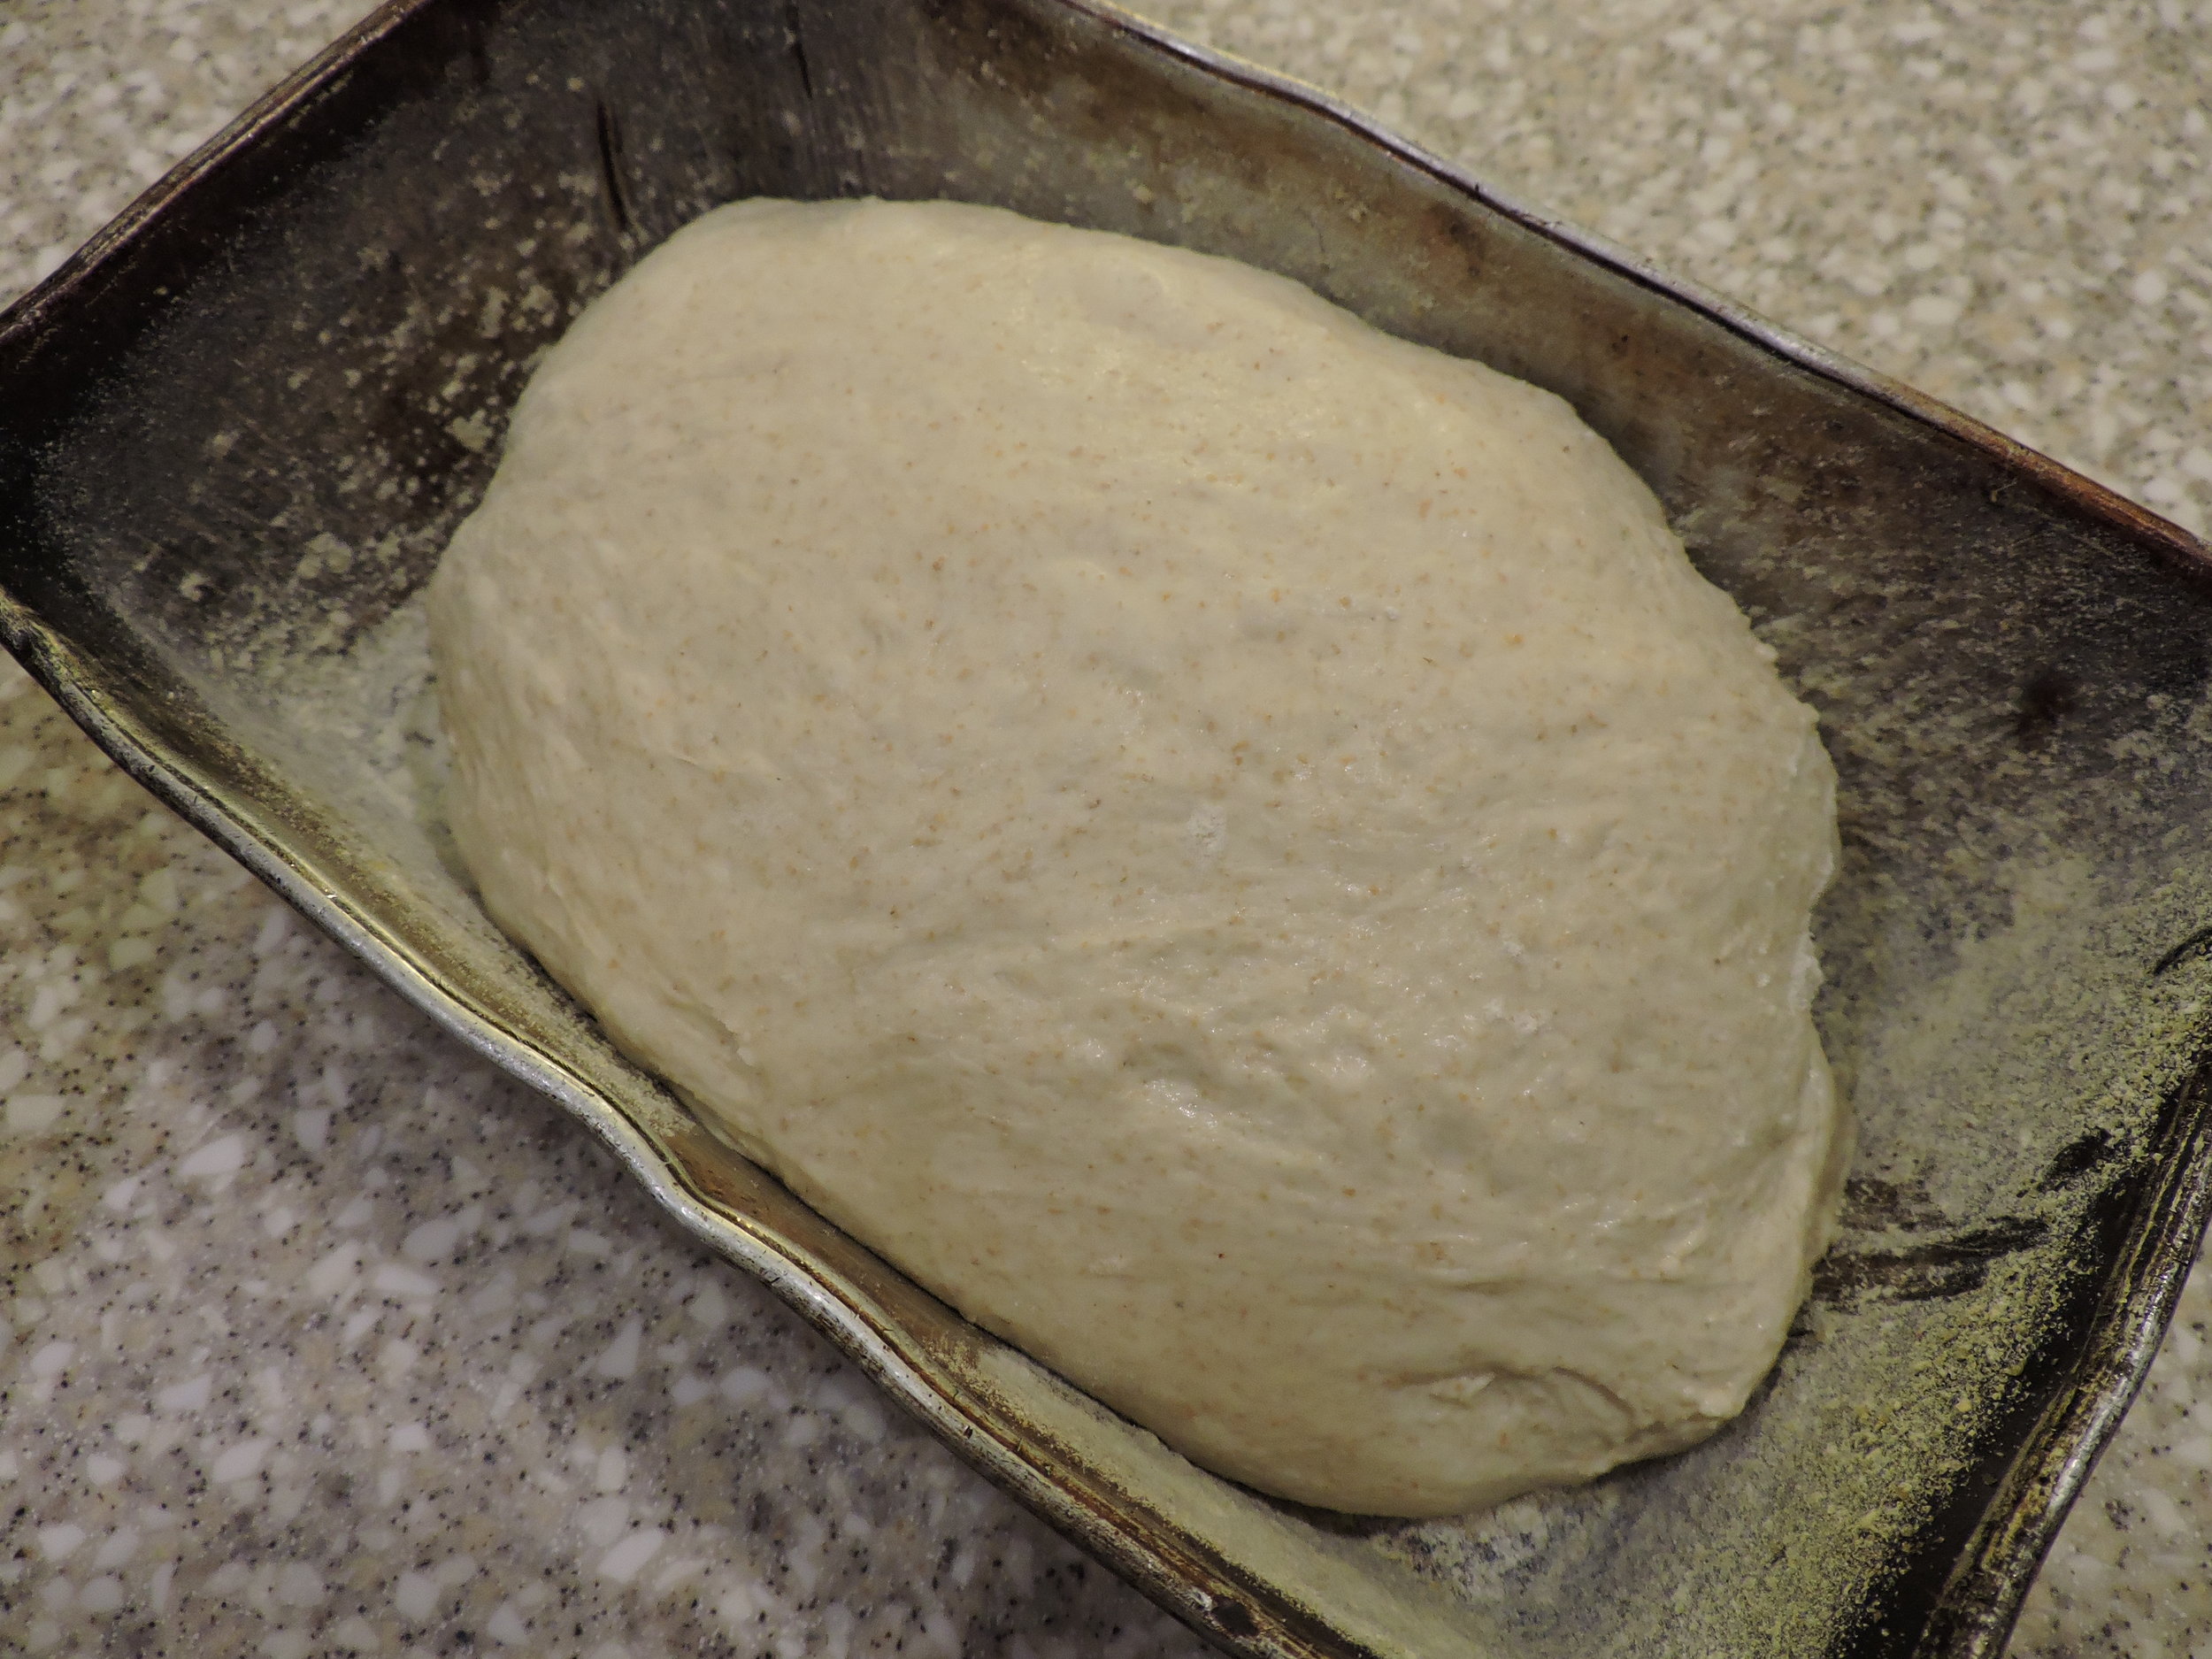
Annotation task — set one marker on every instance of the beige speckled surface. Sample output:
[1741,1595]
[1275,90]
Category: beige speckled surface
[322,1338]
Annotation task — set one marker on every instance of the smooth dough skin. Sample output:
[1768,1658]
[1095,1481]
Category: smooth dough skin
[1236,849]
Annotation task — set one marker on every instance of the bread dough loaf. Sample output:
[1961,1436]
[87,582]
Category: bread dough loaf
[1236,849]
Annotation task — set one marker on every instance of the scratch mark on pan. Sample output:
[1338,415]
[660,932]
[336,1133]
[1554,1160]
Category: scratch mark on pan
[610,167]
[480,50]
[797,37]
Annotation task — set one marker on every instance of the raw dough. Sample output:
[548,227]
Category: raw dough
[1235,849]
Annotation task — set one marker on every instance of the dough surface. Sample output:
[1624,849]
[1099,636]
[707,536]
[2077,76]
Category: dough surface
[1236,849]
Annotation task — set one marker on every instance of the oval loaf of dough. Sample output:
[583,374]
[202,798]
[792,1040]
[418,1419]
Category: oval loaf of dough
[1236,849]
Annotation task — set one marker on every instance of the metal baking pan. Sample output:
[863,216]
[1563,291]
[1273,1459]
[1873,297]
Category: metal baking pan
[237,429]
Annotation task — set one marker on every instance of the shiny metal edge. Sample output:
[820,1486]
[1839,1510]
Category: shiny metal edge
[1982,1597]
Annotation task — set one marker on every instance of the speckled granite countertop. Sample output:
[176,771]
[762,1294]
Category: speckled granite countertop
[321,1337]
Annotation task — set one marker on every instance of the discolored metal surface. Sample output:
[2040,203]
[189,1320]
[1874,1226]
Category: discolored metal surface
[235,434]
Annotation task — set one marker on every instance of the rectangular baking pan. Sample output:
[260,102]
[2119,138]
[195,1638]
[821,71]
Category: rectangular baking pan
[237,429]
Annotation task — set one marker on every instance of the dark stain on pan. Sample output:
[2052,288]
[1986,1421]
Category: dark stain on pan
[1949,1264]
[2049,695]
[1234,1617]
[454,35]
[2077,1158]
[1871,1203]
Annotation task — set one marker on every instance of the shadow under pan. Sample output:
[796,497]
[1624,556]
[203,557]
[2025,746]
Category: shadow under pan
[235,433]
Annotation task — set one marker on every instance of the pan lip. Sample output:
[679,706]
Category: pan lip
[2054,476]
[1980,1598]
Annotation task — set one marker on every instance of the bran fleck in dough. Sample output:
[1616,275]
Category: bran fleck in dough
[1236,849]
